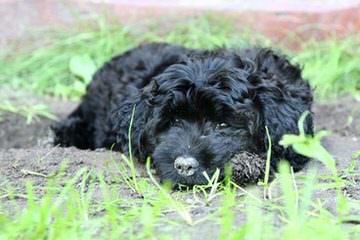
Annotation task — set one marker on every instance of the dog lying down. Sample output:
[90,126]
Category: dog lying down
[192,110]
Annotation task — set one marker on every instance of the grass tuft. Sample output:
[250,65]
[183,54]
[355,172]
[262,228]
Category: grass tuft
[332,66]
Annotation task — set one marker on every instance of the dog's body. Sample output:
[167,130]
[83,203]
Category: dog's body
[192,109]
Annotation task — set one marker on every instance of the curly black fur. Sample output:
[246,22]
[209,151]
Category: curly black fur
[209,105]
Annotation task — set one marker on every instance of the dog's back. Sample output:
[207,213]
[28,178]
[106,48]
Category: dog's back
[121,78]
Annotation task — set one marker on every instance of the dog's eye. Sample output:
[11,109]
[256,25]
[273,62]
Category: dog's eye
[175,121]
[220,126]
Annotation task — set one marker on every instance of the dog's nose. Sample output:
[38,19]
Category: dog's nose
[186,166]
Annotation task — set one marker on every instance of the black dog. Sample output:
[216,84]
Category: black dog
[192,109]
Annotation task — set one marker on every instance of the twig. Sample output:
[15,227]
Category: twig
[29,172]
[9,196]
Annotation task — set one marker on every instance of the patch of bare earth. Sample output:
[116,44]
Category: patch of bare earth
[26,154]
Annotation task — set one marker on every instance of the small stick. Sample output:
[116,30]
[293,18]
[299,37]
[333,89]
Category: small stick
[13,196]
[28,172]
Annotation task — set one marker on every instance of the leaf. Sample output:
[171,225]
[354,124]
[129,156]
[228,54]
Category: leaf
[310,146]
[82,66]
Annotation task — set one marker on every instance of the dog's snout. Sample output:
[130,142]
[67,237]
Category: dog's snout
[186,166]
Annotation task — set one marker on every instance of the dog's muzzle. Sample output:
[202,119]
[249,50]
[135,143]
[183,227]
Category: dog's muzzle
[186,166]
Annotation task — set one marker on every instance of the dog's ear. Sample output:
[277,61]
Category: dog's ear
[139,110]
[282,96]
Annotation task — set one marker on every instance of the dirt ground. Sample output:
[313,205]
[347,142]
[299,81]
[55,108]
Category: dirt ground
[26,149]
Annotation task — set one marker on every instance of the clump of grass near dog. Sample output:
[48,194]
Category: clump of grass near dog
[332,66]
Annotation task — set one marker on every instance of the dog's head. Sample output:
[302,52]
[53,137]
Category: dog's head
[200,113]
